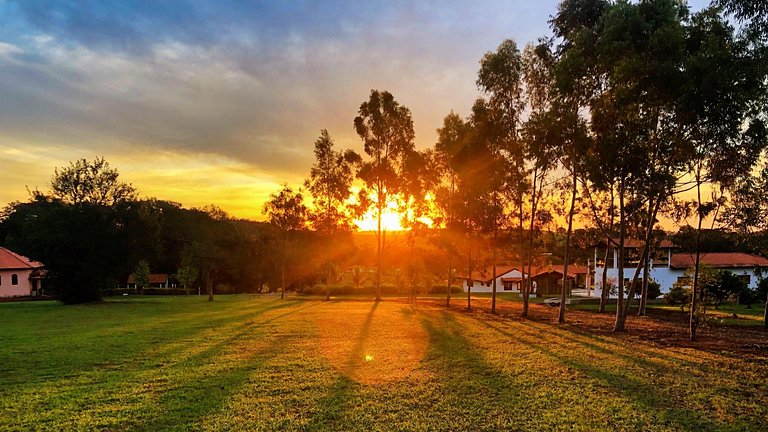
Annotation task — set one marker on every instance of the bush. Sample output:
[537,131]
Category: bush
[440,289]
[678,295]
[224,289]
[654,290]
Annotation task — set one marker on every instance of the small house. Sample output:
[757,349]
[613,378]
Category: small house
[19,275]
[156,280]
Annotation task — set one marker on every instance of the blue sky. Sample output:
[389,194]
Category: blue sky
[220,101]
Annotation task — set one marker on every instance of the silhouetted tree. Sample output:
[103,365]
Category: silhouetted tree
[386,129]
[287,212]
[330,181]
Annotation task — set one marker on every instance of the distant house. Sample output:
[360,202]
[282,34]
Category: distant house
[508,278]
[668,266]
[156,280]
[19,276]
[547,279]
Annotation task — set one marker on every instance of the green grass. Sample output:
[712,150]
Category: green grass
[259,363]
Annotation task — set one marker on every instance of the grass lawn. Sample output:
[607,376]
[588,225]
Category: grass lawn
[259,363]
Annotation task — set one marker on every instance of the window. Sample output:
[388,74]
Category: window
[745,278]
[1,280]
[14,279]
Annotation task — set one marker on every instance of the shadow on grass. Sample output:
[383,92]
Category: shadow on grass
[647,396]
[183,381]
[333,405]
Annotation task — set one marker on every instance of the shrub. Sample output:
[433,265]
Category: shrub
[654,290]
[223,288]
[678,295]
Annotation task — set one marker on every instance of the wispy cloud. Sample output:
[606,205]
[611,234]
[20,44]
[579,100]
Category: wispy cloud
[249,83]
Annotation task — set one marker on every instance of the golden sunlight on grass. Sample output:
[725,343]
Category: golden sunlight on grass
[374,345]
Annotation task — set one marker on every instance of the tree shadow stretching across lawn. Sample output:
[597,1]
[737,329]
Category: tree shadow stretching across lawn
[649,397]
[156,387]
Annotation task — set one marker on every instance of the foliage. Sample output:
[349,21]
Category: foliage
[90,182]
[141,274]
[723,285]
[386,129]
[186,274]
[679,294]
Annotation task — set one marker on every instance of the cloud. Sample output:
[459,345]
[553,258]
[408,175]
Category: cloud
[251,83]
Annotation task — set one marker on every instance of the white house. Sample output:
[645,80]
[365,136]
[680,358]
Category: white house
[546,278]
[667,266]
[19,276]
[507,279]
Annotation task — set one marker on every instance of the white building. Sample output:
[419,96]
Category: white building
[668,267]
[508,279]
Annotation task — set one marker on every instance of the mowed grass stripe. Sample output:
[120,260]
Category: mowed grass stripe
[260,363]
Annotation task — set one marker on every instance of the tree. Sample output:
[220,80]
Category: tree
[497,125]
[90,182]
[726,133]
[82,246]
[724,285]
[386,129]
[286,211]
[444,167]
[330,182]
[141,275]
[187,275]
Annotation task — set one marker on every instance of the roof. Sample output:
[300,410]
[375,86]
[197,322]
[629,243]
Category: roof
[486,274]
[13,261]
[634,243]
[718,259]
[573,270]
[153,278]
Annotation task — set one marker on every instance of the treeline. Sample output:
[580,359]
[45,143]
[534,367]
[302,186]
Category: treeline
[627,112]
[90,230]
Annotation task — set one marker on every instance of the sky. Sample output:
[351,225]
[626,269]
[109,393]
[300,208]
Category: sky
[220,102]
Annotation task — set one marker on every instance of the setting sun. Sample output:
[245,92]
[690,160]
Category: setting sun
[390,219]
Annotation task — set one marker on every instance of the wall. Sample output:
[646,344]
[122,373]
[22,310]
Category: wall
[481,287]
[24,288]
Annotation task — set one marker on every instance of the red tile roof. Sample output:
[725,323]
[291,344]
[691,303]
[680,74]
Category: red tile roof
[486,274]
[573,270]
[13,261]
[158,278]
[634,243]
[718,259]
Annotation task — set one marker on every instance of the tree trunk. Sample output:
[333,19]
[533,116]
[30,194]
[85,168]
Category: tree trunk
[644,256]
[644,294]
[469,273]
[328,274]
[450,279]
[208,284]
[564,290]
[282,274]
[528,279]
[523,275]
[765,313]
[493,296]
[378,249]
[619,324]
[605,290]
[694,320]
[646,268]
